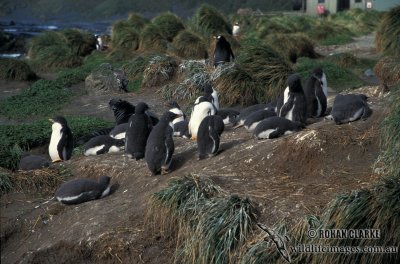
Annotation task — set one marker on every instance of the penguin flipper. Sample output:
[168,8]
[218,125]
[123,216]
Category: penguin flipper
[102,151]
[215,137]
[286,107]
[277,133]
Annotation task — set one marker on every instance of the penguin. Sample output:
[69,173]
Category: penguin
[256,117]
[315,95]
[103,144]
[222,51]
[244,113]
[208,136]
[61,141]
[229,116]
[181,129]
[139,127]
[119,131]
[99,42]
[78,191]
[276,126]
[160,145]
[202,108]
[175,108]
[294,105]
[236,29]
[211,93]
[123,110]
[85,138]
[33,162]
[349,108]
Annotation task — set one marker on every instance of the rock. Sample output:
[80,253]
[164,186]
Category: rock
[369,73]
[105,80]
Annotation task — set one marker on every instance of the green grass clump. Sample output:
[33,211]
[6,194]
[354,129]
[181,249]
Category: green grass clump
[18,70]
[357,20]
[329,33]
[208,21]
[169,24]
[265,66]
[137,21]
[287,45]
[388,71]
[64,49]
[16,138]
[341,78]
[134,71]
[124,35]
[188,45]
[388,32]
[5,182]
[151,39]
[390,132]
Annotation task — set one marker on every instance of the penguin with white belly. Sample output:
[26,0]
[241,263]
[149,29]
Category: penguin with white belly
[78,191]
[294,105]
[202,108]
[103,144]
[256,117]
[229,116]
[61,141]
[349,108]
[275,126]
[119,131]
[315,95]
[160,145]
[208,136]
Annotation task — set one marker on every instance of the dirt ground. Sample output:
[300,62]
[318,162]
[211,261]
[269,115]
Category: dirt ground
[288,178]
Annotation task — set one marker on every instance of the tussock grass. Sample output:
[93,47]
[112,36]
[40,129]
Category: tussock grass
[188,45]
[151,39]
[237,86]
[339,78]
[266,66]
[298,44]
[81,43]
[329,33]
[388,71]
[386,38]
[374,208]
[169,25]
[208,21]
[134,71]
[5,182]
[344,60]
[357,20]
[137,21]
[159,70]
[124,35]
[18,70]
[390,133]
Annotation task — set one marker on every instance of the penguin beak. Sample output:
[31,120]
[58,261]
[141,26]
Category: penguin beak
[51,120]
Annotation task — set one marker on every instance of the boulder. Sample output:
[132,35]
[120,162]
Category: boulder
[105,80]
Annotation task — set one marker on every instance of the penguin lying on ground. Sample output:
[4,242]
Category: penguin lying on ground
[315,95]
[103,144]
[160,145]
[244,113]
[294,105]
[256,117]
[138,131]
[349,108]
[222,51]
[82,190]
[61,141]
[33,162]
[119,131]
[208,136]
[202,108]
[275,126]
[229,116]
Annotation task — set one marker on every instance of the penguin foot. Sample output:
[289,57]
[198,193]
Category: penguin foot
[165,171]
[57,160]
[194,138]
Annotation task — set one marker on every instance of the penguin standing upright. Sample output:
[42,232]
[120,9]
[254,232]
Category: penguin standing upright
[222,51]
[61,141]
[160,145]
[202,108]
[349,108]
[236,29]
[315,96]
[208,136]
[139,127]
[82,190]
[210,92]
[294,105]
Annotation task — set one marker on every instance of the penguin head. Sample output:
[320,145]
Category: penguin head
[172,104]
[204,98]
[170,116]
[141,108]
[317,73]
[208,89]
[104,180]
[295,84]
[59,119]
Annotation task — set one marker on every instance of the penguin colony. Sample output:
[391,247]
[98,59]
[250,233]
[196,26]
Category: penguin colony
[142,135]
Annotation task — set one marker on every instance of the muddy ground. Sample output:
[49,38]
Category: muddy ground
[288,178]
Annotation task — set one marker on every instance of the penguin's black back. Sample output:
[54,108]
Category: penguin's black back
[208,135]
[345,106]
[312,91]
[258,116]
[33,162]
[182,128]
[121,128]
[223,51]
[104,140]
[66,143]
